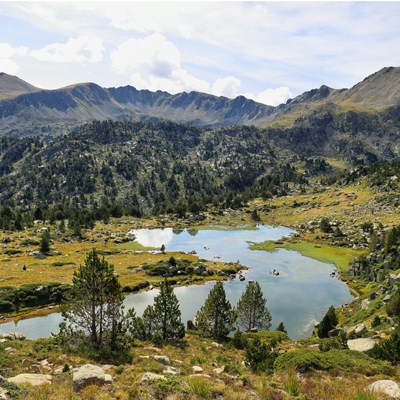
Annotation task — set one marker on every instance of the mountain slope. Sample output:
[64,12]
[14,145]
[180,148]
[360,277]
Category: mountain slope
[11,86]
[36,110]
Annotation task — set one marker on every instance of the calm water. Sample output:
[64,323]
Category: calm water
[299,296]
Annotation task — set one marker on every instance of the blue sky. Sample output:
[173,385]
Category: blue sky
[268,51]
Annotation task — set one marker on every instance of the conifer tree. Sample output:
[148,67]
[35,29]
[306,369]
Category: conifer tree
[45,242]
[94,307]
[252,311]
[167,315]
[216,317]
[329,322]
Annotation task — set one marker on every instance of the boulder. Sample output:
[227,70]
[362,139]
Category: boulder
[362,345]
[386,387]
[171,371]
[31,379]
[335,332]
[89,374]
[162,359]
[219,370]
[360,329]
[387,298]
[199,270]
[364,304]
[215,344]
[190,325]
[149,377]
[197,370]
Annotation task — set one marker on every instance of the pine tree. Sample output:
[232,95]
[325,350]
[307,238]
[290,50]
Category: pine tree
[281,328]
[94,307]
[252,311]
[45,242]
[329,322]
[167,315]
[216,317]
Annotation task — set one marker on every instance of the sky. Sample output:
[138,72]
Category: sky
[267,51]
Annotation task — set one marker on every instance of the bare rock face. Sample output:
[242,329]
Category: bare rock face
[31,379]
[387,387]
[89,374]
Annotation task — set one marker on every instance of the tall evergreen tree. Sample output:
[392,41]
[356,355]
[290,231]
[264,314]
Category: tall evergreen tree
[45,242]
[329,322]
[252,311]
[167,315]
[94,307]
[216,317]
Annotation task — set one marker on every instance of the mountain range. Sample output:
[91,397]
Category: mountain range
[26,109]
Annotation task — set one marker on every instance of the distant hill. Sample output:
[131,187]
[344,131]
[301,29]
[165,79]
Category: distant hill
[11,86]
[25,109]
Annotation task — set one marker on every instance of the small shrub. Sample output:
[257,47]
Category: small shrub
[260,357]
[376,321]
[157,340]
[239,340]
[292,385]
[120,369]
[342,360]
[196,360]
[199,387]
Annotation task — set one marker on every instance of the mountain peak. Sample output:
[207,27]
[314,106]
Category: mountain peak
[12,86]
[378,90]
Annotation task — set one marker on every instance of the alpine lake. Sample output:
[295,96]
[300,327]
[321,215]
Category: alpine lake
[299,296]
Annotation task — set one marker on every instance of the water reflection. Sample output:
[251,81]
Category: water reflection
[153,237]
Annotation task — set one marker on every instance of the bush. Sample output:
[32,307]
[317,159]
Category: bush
[157,340]
[6,306]
[260,357]
[341,360]
[389,349]
[239,340]
[325,226]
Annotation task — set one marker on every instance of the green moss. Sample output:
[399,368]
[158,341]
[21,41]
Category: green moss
[340,360]
[325,253]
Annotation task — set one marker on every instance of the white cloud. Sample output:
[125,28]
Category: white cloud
[271,97]
[154,63]
[83,49]
[7,57]
[228,86]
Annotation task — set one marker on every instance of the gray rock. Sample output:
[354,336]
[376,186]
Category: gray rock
[362,345]
[162,359]
[360,329]
[219,370]
[364,304]
[387,298]
[171,371]
[387,387]
[335,332]
[31,379]
[89,374]
[199,270]
[190,325]
[149,377]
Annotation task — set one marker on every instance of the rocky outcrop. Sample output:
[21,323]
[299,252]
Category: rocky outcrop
[31,379]
[149,377]
[386,387]
[89,374]
[362,345]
